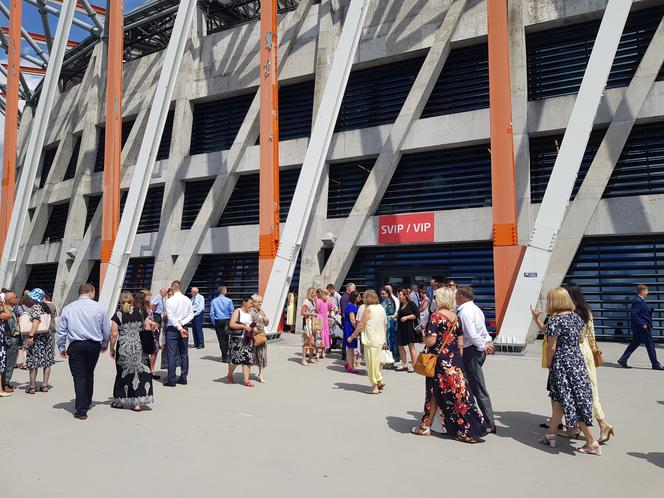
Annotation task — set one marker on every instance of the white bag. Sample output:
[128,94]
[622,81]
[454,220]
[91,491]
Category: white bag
[386,357]
[25,323]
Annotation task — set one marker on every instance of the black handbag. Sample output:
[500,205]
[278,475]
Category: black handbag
[147,338]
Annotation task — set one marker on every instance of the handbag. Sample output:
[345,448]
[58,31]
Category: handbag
[386,357]
[545,344]
[426,365]
[25,323]
[598,357]
[317,324]
[259,339]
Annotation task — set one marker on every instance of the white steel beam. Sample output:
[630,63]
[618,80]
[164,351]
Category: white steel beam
[35,145]
[314,161]
[559,189]
[140,181]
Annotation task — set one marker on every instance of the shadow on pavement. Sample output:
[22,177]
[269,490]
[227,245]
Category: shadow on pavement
[68,406]
[403,425]
[611,364]
[523,428]
[359,388]
[661,402]
[212,358]
[656,458]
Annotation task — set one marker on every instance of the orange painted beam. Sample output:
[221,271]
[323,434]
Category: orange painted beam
[507,253]
[113,131]
[268,241]
[28,69]
[79,7]
[13,67]
[39,38]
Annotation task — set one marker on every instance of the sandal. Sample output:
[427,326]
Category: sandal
[381,386]
[374,391]
[30,390]
[421,431]
[117,405]
[230,380]
[248,384]
[44,389]
[466,439]
[594,449]
[136,408]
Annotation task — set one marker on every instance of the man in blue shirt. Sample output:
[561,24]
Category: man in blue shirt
[198,305]
[221,309]
[641,321]
[158,303]
[83,332]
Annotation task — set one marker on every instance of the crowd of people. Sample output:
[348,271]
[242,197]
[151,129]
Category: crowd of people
[381,328]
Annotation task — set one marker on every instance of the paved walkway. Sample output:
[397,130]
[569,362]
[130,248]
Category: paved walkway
[312,432]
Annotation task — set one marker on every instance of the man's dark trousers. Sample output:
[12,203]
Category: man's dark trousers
[197,330]
[639,337]
[221,328]
[83,356]
[13,344]
[473,359]
[176,345]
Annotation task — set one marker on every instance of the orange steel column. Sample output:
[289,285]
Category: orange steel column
[11,120]
[113,143]
[507,253]
[268,241]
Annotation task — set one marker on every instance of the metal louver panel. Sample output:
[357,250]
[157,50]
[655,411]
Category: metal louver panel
[467,264]
[374,96]
[101,142]
[47,164]
[91,207]
[242,207]
[216,123]
[42,276]
[296,103]
[151,215]
[194,196]
[608,268]
[57,221]
[73,160]
[165,143]
[139,274]
[441,179]
[557,57]
[463,85]
[346,183]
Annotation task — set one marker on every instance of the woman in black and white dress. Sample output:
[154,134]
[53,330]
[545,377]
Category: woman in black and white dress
[133,378]
[241,329]
[39,347]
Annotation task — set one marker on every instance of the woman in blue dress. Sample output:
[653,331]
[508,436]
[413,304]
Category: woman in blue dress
[387,301]
[350,322]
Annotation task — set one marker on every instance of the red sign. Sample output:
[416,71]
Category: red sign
[400,228]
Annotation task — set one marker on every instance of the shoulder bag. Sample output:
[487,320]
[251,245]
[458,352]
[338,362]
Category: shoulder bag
[426,365]
[259,338]
[25,323]
[598,357]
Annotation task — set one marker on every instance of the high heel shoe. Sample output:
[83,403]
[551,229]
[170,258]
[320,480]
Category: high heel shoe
[594,449]
[571,433]
[550,439]
[606,434]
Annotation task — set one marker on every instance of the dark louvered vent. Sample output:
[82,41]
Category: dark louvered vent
[463,84]
[47,164]
[296,104]
[73,160]
[194,197]
[216,123]
[101,142]
[42,276]
[374,96]
[346,182]
[442,179]
[165,143]
[94,277]
[92,203]
[242,207]
[557,57]
[608,268]
[139,274]
[543,154]
[470,264]
[151,215]
[57,221]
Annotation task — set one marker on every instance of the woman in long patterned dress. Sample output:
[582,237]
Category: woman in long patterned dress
[39,347]
[568,383]
[261,320]
[133,378]
[242,328]
[310,337]
[387,302]
[448,389]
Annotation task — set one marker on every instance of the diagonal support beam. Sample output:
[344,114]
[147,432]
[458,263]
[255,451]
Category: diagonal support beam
[552,210]
[314,162]
[140,181]
[35,145]
[223,186]
[589,195]
[381,174]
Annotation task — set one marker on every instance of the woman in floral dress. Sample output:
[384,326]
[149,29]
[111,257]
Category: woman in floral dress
[448,389]
[310,337]
[261,320]
[39,347]
[133,378]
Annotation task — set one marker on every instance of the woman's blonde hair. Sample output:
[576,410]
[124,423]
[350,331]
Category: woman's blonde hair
[311,293]
[126,301]
[257,297]
[558,300]
[370,297]
[322,293]
[445,298]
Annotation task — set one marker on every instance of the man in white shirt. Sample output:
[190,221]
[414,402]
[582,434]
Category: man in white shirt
[198,306]
[179,312]
[476,343]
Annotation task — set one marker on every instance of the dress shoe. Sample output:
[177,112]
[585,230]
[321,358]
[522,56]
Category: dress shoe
[80,417]
[200,347]
[658,367]
[182,382]
[156,376]
[493,430]
[169,384]
[623,364]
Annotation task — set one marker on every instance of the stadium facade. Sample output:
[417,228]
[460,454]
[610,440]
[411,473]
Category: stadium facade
[444,175]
